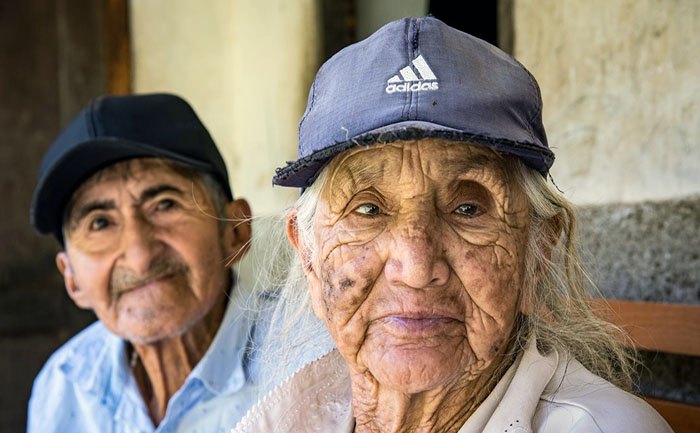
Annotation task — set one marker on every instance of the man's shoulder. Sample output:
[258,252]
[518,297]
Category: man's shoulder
[83,345]
[74,360]
[64,382]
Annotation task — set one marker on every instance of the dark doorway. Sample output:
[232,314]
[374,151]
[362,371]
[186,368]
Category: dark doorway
[55,57]
[484,19]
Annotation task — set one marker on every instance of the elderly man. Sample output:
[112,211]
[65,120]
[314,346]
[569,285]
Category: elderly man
[138,196]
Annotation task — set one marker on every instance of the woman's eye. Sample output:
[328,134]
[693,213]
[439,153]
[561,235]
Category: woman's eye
[98,224]
[368,209]
[165,204]
[469,210]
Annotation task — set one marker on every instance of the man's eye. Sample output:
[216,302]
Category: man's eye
[99,224]
[368,209]
[468,209]
[165,204]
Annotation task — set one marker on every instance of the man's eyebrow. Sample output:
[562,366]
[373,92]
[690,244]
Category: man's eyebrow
[89,207]
[155,190]
[85,209]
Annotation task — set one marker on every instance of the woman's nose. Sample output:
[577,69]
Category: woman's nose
[417,258]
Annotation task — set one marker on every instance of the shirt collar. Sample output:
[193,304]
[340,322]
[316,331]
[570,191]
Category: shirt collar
[98,363]
[221,370]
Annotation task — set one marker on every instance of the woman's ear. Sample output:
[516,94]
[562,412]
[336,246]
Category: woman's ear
[305,258]
[238,229]
[297,242]
[76,294]
[551,233]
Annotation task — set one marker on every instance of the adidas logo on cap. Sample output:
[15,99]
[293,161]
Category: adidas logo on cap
[409,81]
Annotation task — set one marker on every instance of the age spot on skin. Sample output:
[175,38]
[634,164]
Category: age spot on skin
[346,283]
[329,293]
[496,346]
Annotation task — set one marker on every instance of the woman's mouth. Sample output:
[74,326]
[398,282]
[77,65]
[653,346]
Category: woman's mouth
[417,326]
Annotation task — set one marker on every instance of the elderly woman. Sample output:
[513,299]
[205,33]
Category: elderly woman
[427,240]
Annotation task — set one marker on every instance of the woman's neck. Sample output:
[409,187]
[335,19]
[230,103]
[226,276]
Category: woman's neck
[378,409]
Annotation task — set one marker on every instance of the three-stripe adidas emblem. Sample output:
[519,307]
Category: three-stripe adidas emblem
[409,81]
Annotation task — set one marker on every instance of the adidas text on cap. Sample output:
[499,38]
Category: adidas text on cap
[418,78]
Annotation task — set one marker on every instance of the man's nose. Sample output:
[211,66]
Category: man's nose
[139,245]
[417,258]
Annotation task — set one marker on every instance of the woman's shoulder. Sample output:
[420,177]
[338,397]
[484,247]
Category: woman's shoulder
[315,398]
[576,400]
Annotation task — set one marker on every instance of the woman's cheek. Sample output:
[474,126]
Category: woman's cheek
[347,278]
[491,278]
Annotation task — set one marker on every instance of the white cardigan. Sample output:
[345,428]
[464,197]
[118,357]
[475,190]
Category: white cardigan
[542,394]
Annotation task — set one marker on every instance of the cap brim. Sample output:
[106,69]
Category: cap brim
[56,187]
[302,172]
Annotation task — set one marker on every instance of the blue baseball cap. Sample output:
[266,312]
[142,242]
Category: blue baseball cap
[417,78]
[112,129]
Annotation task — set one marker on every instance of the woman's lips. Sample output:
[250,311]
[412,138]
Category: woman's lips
[417,325]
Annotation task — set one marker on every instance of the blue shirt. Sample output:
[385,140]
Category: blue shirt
[87,386]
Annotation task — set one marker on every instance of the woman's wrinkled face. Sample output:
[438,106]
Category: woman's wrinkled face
[419,261]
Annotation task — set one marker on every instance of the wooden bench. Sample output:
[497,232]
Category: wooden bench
[661,327]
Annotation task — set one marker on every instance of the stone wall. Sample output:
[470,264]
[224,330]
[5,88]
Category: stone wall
[649,251]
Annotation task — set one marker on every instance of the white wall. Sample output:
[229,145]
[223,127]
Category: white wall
[245,66]
[621,86]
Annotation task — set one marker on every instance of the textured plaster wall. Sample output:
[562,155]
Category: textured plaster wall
[245,66]
[621,89]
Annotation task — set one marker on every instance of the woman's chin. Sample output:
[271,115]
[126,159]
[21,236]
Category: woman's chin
[415,370]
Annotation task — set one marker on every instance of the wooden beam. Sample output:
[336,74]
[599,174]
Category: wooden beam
[117,47]
[662,327]
[683,418]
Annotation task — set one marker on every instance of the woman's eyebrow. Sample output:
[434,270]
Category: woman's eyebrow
[361,175]
[468,163]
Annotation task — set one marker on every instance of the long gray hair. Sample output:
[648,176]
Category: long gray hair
[560,317]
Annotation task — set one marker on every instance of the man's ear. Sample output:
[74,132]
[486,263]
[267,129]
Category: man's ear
[312,279]
[76,294]
[238,229]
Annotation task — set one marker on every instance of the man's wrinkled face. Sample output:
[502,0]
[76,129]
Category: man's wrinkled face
[144,250]
[420,259]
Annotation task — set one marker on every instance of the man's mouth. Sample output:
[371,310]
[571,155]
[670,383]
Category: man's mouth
[143,284]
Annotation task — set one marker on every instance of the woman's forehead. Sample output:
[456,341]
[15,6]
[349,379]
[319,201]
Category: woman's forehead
[432,158]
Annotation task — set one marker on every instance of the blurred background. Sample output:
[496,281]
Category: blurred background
[619,79]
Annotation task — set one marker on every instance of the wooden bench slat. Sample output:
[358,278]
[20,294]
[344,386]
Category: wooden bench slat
[683,418]
[662,327]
